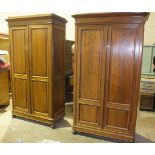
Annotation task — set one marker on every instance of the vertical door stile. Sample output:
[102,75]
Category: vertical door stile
[103,73]
[28,67]
[75,76]
[101,76]
[50,68]
[107,46]
[11,64]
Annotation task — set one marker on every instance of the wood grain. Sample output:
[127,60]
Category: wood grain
[108,50]
[38,93]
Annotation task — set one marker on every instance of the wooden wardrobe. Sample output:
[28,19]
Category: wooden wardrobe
[108,55]
[37,44]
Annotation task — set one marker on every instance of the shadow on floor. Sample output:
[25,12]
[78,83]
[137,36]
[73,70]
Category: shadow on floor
[138,138]
[141,139]
[3,108]
[62,124]
[29,120]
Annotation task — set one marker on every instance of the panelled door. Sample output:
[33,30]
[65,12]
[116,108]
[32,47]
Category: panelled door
[90,61]
[120,77]
[20,68]
[39,70]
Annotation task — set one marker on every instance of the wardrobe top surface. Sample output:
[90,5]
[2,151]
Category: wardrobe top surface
[110,14]
[37,17]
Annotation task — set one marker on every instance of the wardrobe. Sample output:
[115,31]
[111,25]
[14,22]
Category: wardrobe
[108,57]
[37,45]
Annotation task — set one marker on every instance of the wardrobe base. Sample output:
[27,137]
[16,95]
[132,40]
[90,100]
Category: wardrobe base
[103,133]
[51,122]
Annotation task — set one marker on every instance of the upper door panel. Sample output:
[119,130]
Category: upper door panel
[38,46]
[19,48]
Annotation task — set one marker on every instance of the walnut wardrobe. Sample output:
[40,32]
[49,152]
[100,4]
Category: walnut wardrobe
[37,44]
[108,55]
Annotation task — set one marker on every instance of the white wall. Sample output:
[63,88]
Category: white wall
[70,27]
[3,23]
[149,34]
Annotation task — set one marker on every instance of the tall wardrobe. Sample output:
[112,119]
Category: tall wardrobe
[108,57]
[37,44]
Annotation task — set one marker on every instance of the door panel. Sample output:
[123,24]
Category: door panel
[121,65]
[89,113]
[19,53]
[39,90]
[117,118]
[21,93]
[39,49]
[20,68]
[120,75]
[91,59]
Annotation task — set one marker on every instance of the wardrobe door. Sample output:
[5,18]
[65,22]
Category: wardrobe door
[39,70]
[89,59]
[122,77]
[20,68]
